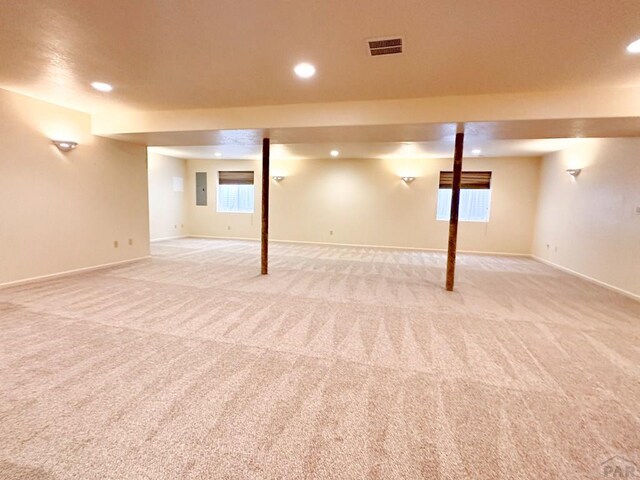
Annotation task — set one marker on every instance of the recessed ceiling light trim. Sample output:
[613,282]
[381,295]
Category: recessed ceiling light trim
[304,70]
[102,87]
[634,47]
[334,153]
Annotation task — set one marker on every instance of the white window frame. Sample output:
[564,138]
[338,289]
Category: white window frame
[461,216]
[221,209]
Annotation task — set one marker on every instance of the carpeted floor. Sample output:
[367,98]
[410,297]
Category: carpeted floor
[342,363]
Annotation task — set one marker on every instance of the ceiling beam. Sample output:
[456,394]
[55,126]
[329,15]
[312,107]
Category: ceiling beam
[601,103]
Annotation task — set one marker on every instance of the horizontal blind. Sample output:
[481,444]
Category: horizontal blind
[235,178]
[470,180]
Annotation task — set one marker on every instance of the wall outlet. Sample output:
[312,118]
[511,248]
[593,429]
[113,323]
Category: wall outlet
[228,227]
[175,227]
[115,244]
[131,241]
[637,209]
[330,232]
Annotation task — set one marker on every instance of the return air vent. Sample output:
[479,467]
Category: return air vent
[385,46]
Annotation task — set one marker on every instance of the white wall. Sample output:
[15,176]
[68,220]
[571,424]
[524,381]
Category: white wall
[589,224]
[166,196]
[364,202]
[61,212]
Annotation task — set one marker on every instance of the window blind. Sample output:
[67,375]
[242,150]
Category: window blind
[469,181]
[235,178]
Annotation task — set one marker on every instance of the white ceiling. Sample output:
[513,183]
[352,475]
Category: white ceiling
[165,55]
[440,149]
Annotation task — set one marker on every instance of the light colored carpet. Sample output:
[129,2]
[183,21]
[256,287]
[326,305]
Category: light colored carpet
[342,363]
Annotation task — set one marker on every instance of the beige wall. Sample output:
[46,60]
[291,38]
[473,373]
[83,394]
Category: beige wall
[61,212]
[166,198]
[204,220]
[589,224]
[365,202]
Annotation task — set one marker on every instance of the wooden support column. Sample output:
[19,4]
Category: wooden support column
[455,207]
[264,239]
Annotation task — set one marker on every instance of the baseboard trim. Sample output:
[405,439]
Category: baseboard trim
[389,247]
[162,239]
[213,237]
[608,286]
[70,272]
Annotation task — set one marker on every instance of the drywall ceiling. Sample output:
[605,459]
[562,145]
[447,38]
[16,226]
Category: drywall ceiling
[390,150]
[166,55]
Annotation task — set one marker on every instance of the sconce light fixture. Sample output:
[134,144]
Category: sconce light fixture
[574,172]
[65,145]
[278,178]
[408,179]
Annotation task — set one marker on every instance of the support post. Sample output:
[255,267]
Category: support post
[455,207]
[264,238]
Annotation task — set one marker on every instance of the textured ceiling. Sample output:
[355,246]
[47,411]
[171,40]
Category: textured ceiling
[162,55]
[409,150]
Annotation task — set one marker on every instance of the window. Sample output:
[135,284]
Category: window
[475,196]
[235,192]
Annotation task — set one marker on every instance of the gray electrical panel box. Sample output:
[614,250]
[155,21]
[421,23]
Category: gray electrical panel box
[201,188]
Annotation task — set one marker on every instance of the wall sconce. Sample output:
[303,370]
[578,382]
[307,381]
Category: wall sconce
[278,178]
[65,145]
[574,172]
[408,179]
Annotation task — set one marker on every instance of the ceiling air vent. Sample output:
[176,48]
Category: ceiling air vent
[384,46]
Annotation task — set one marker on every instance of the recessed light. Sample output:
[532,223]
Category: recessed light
[334,153]
[102,87]
[218,154]
[305,70]
[476,152]
[634,47]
